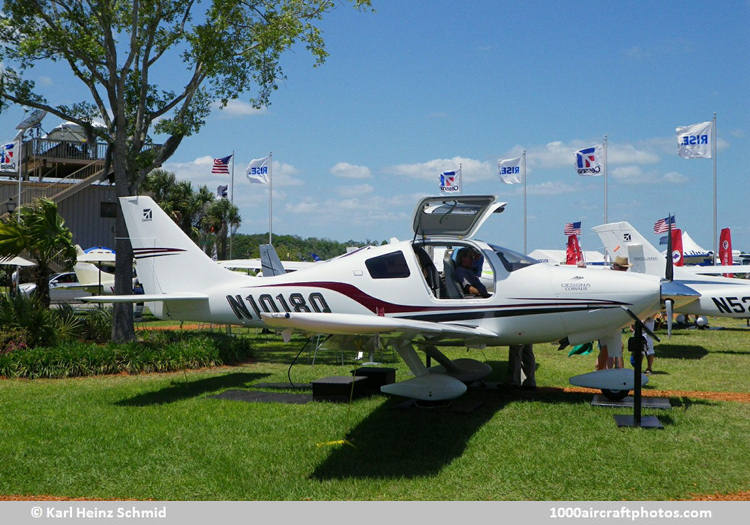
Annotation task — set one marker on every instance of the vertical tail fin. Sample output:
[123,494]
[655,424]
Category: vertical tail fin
[618,236]
[167,260]
[270,262]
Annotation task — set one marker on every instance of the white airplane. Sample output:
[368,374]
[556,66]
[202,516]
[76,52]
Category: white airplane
[395,292]
[88,269]
[719,296]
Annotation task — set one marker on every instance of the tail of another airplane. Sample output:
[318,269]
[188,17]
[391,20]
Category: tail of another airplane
[621,239]
[167,260]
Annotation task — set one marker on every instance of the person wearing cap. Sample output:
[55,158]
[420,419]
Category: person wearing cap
[610,346]
[465,275]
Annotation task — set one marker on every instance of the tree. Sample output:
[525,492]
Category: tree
[178,200]
[229,48]
[221,215]
[42,234]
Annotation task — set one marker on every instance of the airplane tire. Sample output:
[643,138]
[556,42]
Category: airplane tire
[615,395]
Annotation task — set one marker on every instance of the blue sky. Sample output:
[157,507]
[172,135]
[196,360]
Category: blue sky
[419,86]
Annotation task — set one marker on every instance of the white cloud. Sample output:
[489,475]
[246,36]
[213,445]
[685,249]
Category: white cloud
[675,177]
[283,174]
[559,154]
[45,80]
[354,210]
[472,169]
[637,175]
[353,191]
[351,171]
[550,188]
[237,108]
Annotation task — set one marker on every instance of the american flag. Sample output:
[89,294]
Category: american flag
[662,225]
[573,228]
[221,166]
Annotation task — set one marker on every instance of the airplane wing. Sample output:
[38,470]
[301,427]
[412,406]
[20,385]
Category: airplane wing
[358,324]
[145,298]
[716,270]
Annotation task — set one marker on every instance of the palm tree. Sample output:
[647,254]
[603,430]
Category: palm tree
[42,234]
[178,200]
[221,215]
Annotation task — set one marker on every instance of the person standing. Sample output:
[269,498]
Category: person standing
[522,366]
[650,353]
[610,346]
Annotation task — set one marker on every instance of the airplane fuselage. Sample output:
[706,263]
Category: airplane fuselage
[532,304]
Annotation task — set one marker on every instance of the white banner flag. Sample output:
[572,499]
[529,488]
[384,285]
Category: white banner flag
[258,170]
[589,161]
[509,170]
[450,181]
[694,141]
[9,157]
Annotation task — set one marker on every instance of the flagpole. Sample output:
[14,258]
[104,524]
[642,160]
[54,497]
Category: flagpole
[460,178]
[20,161]
[231,201]
[715,134]
[605,179]
[523,156]
[270,196]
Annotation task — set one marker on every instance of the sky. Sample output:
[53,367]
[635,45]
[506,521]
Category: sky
[418,87]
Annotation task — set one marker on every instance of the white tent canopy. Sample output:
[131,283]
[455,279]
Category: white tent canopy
[690,248]
[16,261]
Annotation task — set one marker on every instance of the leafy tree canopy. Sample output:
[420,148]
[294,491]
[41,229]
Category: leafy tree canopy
[228,48]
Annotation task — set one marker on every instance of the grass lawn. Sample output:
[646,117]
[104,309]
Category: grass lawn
[163,436]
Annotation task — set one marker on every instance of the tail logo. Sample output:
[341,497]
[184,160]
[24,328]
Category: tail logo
[147,216]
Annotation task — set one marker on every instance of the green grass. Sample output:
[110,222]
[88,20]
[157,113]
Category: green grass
[162,436]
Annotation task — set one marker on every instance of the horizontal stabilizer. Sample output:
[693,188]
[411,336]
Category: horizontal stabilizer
[360,324]
[145,298]
[678,292]
[716,270]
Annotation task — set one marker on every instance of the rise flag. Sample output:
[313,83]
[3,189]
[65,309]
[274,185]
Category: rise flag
[694,141]
[509,170]
[8,157]
[221,166]
[590,161]
[258,170]
[450,181]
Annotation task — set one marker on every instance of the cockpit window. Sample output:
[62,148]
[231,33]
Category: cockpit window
[512,260]
[389,266]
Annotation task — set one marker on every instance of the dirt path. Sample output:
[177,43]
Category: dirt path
[741,397]
[742,495]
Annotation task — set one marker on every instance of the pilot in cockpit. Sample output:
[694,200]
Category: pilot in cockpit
[466,275]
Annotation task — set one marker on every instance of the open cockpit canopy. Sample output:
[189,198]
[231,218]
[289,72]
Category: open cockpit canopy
[457,216]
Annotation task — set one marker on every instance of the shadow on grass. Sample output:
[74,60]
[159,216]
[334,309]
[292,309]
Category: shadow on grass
[667,351]
[180,390]
[416,442]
